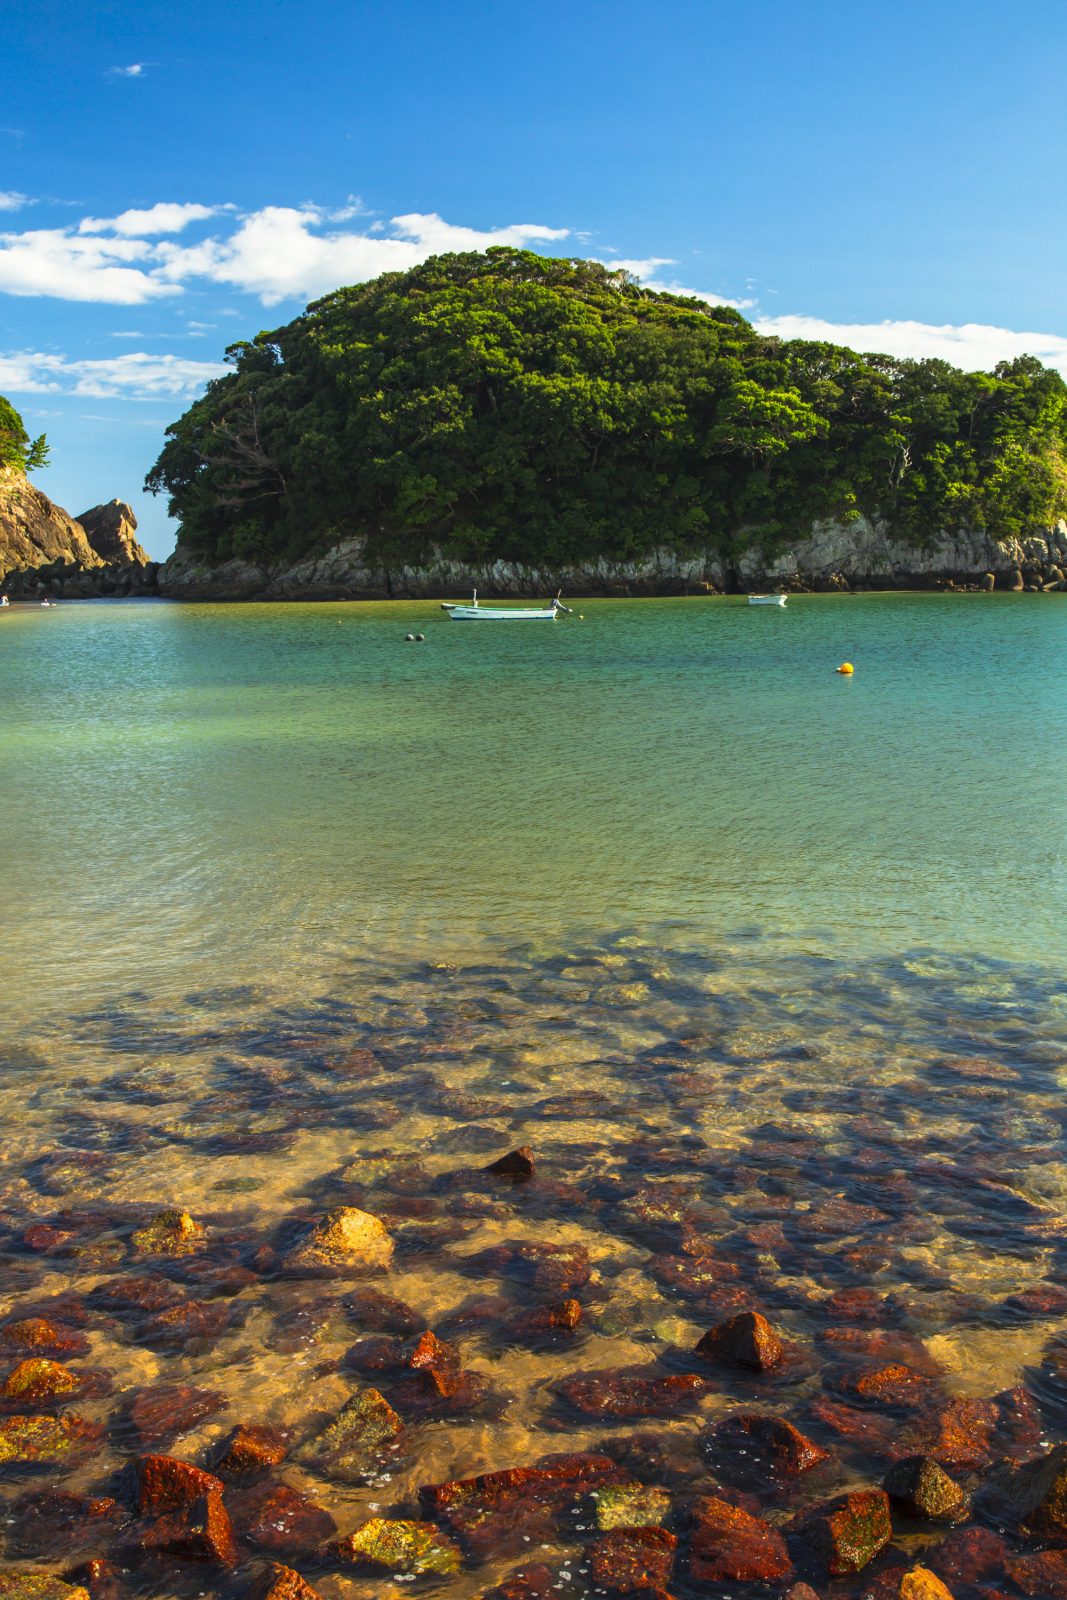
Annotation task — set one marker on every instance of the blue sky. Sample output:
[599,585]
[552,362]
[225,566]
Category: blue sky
[175,177]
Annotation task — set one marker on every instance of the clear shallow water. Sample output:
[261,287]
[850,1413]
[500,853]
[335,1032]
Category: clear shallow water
[204,792]
[764,964]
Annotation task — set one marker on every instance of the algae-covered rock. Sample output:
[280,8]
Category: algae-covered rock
[25,1439]
[630,1505]
[16,1585]
[37,1378]
[356,1441]
[921,1488]
[922,1584]
[850,1531]
[413,1548]
[747,1340]
[278,1582]
[345,1236]
[170,1233]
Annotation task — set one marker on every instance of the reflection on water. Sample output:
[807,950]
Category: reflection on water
[869,1153]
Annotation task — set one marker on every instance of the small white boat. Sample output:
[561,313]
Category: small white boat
[476,613]
[767,599]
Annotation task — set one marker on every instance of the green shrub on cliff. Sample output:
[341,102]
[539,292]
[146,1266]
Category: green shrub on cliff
[508,405]
[17,449]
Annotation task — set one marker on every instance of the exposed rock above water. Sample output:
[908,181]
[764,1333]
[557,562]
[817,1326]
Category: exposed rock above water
[44,550]
[830,557]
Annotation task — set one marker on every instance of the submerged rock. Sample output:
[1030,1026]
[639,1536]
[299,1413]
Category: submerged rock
[1042,1574]
[344,1237]
[920,1488]
[632,1560]
[747,1340]
[753,1446]
[25,1440]
[517,1165]
[498,1512]
[277,1582]
[49,1523]
[632,1393]
[41,1336]
[170,1233]
[413,1548]
[630,1505]
[250,1451]
[849,1532]
[197,1532]
[19,1585]
[728,1545]
[280,1519]
[38,1378]
[161,1413]
[166,1484]
[357,1441]
[1037,1491]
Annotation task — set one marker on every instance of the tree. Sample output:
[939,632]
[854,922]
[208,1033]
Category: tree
[17,449]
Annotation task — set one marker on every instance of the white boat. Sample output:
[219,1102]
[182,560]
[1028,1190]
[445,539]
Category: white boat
[476,613]
[767,599]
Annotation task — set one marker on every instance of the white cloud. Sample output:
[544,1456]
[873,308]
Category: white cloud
[66,266]
[277,253]
[974,346]
[166,217]
[137,376]
[135,70]
[11,200]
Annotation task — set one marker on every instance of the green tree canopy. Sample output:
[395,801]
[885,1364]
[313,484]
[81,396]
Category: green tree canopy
[507,405]
[17,449]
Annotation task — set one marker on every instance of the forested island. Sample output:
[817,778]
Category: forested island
[508,408]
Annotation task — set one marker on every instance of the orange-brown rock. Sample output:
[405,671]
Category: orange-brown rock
[278,1582]
[279,1519]
[38,1378]
[41,1336]
[163,1412]
[166,1484]
[730,1546]
[747,1340]
[632,1560]
[1042,1574]
[758,1447]
[848,1532]
[632,1393]
[498,1512]
[197,1532]
[922,1584]
[250,1451]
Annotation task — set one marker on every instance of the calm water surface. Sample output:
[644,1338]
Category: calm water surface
[764,963]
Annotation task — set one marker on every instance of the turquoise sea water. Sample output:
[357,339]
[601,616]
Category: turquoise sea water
[764,964]
[208,792]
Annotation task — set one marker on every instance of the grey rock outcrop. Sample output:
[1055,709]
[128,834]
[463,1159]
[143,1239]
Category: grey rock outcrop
[830,556]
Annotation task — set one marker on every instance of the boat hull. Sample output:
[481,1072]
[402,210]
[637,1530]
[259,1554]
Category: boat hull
[500,614]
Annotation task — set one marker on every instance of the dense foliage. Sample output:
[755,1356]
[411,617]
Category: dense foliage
[509,405]
[17,449]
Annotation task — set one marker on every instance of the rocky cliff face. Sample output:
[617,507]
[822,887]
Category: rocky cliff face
[112,531]
[44,550]
[831,556]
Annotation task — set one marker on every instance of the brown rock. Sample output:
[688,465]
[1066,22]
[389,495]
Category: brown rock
[632,1560]
[143,1294]
[197,1532]
[276,1582]
[747,1340]
[39,1336]
[1037,1491]
[920,1488]
[37,1378]
[848,1532]
[162,1413]
[279,1519]
[640,1393]
[1043,1574]
[381,1313]
[894,1385]
[758,1446]
[498,1512]
[730,1546]
[111,531]
[545,1321]
[192,1322]
[250,1452]
[102,1578]
[166,1484]
[969,1557]
[49,1523]
[517,1165]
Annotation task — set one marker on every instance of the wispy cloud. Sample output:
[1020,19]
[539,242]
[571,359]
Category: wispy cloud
[135,70]
[137,376]
[974,346]
[165,217]
[11,200]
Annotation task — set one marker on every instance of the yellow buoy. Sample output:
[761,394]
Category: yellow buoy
[846,668]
